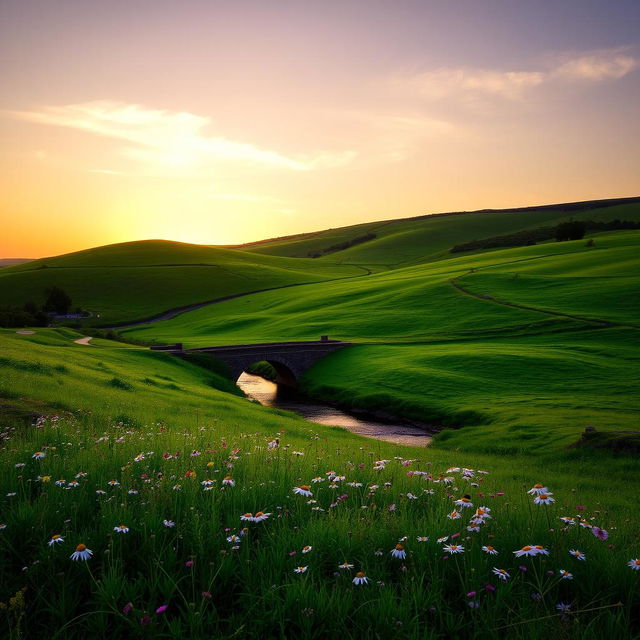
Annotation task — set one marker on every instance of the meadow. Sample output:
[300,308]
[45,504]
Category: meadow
[142,496]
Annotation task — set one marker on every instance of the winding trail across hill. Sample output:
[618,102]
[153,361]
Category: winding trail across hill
[85,341]
[598,322]
[176,311]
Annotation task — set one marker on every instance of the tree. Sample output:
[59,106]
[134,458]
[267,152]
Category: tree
[572,230]
[58,301]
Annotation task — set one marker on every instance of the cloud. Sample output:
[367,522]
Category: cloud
[447,81]
[611,64]
[470,83]
[172,138]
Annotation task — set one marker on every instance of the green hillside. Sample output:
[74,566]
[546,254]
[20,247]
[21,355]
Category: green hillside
[417,240]
[136,280]
[463,341]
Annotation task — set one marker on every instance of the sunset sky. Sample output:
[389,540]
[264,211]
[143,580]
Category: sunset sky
[221,122]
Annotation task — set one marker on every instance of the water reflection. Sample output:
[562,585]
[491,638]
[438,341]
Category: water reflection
[270,394]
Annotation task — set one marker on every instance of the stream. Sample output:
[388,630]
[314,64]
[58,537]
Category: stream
[270,394]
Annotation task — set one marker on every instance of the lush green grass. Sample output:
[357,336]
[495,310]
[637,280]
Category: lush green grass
[446,342]
[136,280]
[517,379]
[528,394]
[418,240]
[212,588]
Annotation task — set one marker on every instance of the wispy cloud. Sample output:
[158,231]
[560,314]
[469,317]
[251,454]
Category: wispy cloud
[469,83]
[608,64]
[173,138]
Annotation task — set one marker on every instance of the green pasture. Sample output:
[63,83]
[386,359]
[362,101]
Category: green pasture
[135,454]
[418,240]
[132,281]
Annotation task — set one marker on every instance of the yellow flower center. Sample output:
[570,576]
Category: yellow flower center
[260,513]
[81,547]
[399,547]
[305,487]
[360,574]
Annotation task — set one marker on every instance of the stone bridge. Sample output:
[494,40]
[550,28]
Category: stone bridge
[289,359]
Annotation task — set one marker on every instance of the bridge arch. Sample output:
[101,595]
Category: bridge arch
[289,359]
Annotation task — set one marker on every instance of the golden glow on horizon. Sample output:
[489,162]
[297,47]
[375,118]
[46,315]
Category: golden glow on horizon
[274,143]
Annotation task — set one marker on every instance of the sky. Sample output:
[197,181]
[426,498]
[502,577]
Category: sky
[218,122]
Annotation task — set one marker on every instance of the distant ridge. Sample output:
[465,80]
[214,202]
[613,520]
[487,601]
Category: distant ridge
[9,262]
[583,205]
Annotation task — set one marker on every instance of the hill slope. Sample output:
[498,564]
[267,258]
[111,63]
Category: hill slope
[136,280]
[426,238]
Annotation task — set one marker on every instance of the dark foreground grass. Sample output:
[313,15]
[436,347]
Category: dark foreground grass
[178,469]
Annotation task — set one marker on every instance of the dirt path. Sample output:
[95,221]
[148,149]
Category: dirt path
[172,313]
[514,305]
[85,341]
[25,332]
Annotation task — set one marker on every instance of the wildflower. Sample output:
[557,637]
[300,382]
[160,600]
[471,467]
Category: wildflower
[442,539]
[229,481]
[127,608]
[2,526]
[482,513]
[453,548]
[634,564]
[562,607]
[531,550]
[260,516]
[422,538]
[501,573]
[303,490]
[73,484]
[121,528]
[45,478]
[206,483]
[248,517]
[568,520]
[489,587]
[189,563]
[490,550]
[345,565]
[131,492]
[101,492]
[392,507]
[139,457]
[577,554]
[537,489]
[361,578]
[297,453]
[307,549]
[55,539]
[544,498]
[60,483]
[454,515]
[301,569]
[169,523]
[599,533]
[473,529]
[399,552]
[38,455]
[81,553]
[473,604]
[233,539]
[565,575]
[464,502]
[111,483]
[317,479]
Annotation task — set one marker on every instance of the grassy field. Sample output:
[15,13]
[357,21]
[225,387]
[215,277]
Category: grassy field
[418,240]
[152,461]
[517,379]
[134,472]
[137,280]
